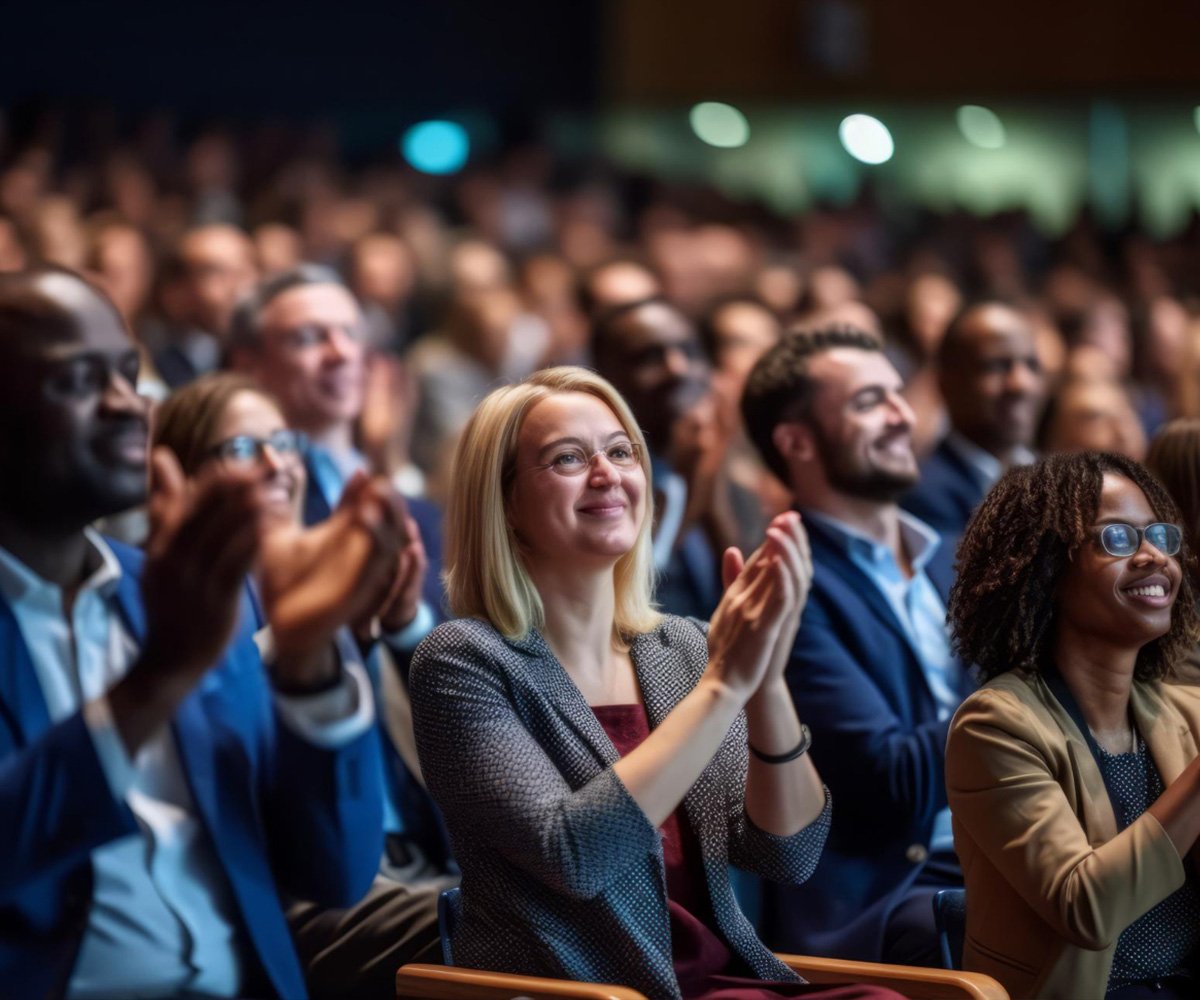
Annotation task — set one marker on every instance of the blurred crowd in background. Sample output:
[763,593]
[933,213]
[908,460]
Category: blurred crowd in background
[473,280]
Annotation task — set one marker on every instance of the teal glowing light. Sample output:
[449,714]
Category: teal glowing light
[719,124]
[436,147]
[980,126]
[867,139]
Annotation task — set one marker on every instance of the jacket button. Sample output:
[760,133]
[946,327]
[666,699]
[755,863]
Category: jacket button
[916,853]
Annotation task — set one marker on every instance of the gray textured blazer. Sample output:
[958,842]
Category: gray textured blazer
[562,873]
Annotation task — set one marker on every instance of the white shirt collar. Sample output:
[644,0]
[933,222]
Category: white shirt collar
[18,582]
[982,462]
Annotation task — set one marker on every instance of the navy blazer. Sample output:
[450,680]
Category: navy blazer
[282,814]
[947,494]
[878,745]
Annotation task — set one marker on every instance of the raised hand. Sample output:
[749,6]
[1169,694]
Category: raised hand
[400,606]
[318,579]
[754,625]
[203,542]
[787,532]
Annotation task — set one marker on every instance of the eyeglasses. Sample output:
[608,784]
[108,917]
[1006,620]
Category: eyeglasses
[246,448]
[1124,540]
[575,461]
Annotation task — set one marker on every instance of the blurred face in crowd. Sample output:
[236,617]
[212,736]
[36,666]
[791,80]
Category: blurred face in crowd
[1096,415]
[220,268]
[383,270]
[1106,326]
[930,304]
[252,434]
[121,260]
[311,356]
[862,425]
[76,428]
[620,282]
[278,247]
[743,332]
[652,355]
[1166,337]
[992,379]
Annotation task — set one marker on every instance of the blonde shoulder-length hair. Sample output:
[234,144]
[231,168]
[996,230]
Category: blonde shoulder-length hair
[485,576]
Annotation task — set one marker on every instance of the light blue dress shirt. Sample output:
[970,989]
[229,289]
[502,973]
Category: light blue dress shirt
[918,608]
[162,918]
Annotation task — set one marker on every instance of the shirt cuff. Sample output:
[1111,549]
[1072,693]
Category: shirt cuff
[405,640]
[115,762]
[331,719]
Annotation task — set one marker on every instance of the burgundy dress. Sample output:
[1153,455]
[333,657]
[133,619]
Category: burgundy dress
[704,964]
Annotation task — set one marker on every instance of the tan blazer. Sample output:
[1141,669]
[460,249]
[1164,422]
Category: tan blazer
[1050,882]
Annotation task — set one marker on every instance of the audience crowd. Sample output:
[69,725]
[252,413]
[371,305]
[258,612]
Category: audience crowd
[242,389]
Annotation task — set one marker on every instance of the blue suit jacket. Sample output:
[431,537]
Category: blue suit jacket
[283,816]
[947,494]
[423,821]
[878,745]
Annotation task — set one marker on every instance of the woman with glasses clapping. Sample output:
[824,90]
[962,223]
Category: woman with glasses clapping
[1072,773]
[598,763]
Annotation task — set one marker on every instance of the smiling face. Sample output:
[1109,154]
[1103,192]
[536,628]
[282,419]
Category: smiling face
[77,432]
[653,356]
[1124,601]
[280,477]
[993,382]
[590,518]
[862,425]
[312,356]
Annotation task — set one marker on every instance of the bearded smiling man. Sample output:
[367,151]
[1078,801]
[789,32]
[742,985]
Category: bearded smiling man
[871,667]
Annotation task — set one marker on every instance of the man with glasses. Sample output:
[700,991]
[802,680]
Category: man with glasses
[163,786]
[301,336]
[871,670]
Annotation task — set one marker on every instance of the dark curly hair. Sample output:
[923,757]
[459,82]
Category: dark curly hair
[1002,611]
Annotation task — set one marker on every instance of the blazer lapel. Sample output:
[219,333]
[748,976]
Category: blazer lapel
[829,558]
[193,731]
[21,696]
[1098,818]
[1167,735]
[551,678]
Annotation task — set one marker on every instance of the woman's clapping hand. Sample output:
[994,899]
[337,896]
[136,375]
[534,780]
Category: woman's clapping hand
[755,624]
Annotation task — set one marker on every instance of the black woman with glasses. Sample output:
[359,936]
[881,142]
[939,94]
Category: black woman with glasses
[1072,773]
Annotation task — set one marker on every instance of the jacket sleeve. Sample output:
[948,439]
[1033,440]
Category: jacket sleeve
[1006,798]
[790,860]
[883,770]
[492,779]
[59,805]
[321,805]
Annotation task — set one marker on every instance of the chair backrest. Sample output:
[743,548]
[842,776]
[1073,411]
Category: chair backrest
[449,907]
[950,919]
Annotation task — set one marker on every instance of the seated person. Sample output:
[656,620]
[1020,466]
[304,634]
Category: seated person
[164,786]
[224,422]
[1072,773]
[991,380]
[598,763]
[872,664]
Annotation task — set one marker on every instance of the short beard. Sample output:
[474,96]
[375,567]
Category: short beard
[877,485]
